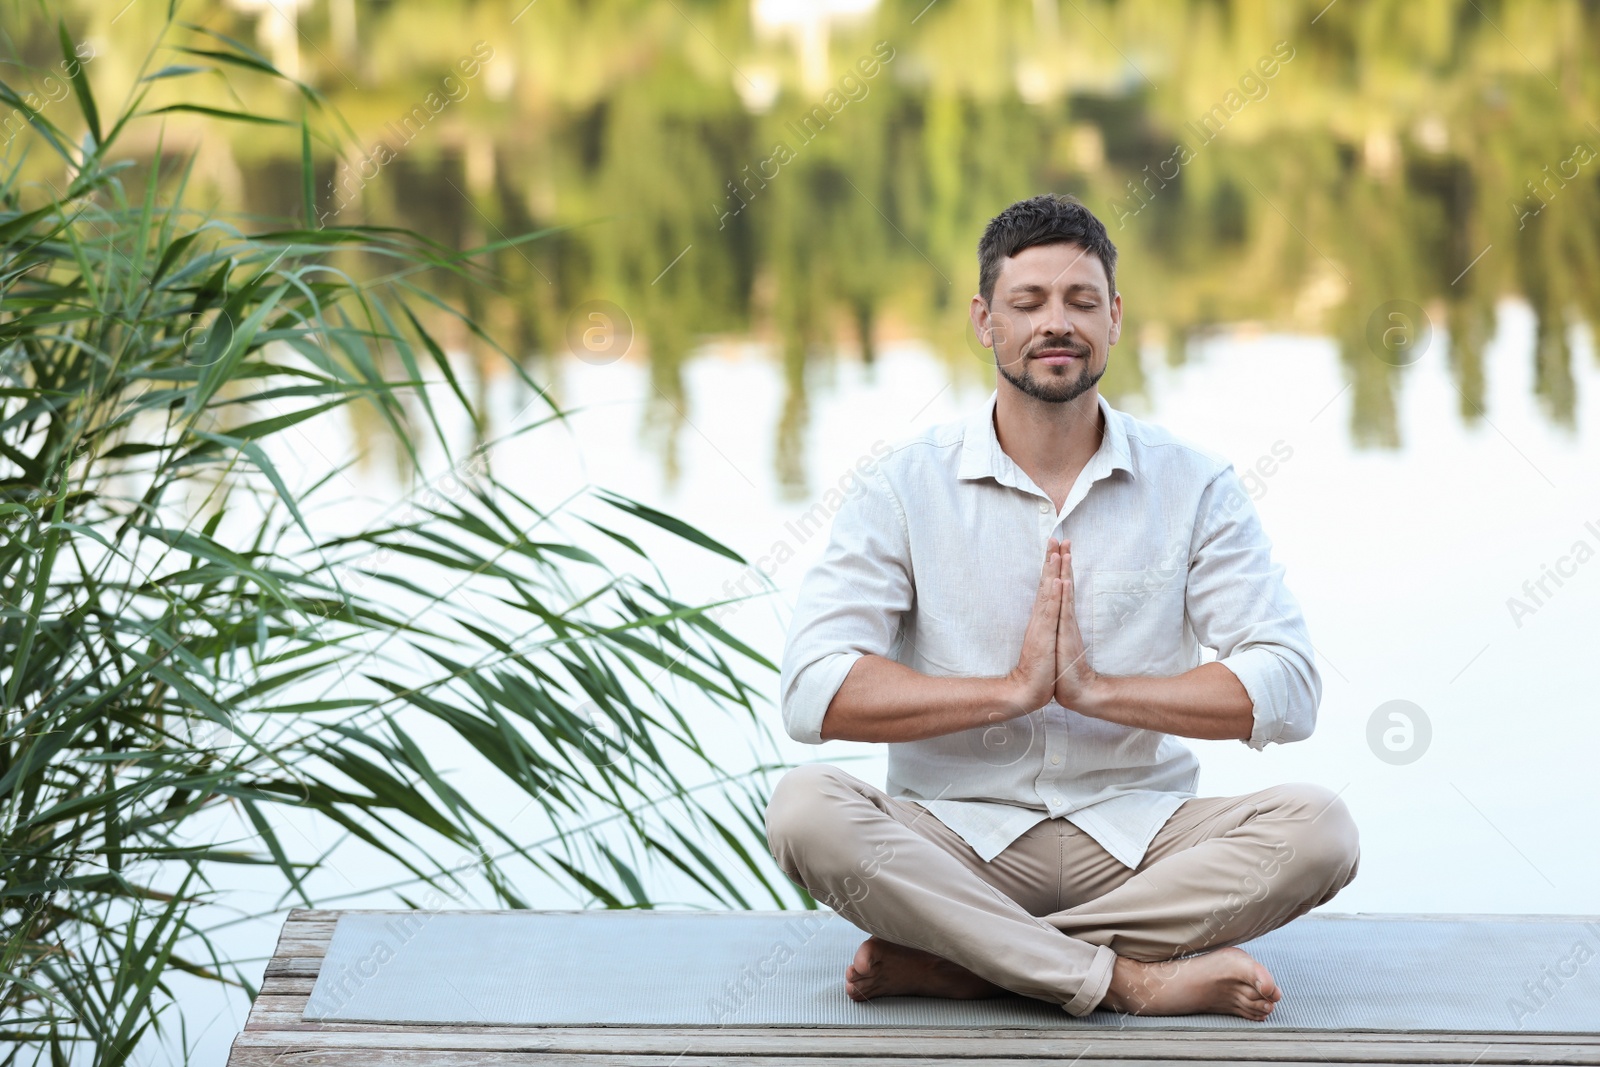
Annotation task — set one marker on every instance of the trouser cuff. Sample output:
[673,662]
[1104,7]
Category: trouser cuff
[1095,984]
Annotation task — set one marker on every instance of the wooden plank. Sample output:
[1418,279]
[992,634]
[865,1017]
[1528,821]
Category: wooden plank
[294,967]
[1168,1045]
[414,1058]
[640,1038]
[314,914]
[297,985]
[297,949]
[285,1012]
[301,933]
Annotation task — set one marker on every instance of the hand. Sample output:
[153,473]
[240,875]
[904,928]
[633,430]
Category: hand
[1075,679]
[1033,680]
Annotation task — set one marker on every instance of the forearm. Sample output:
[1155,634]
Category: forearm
[1208,702]
[882,700]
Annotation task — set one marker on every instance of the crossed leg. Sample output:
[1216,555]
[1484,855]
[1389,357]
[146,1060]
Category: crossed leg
[1054,916]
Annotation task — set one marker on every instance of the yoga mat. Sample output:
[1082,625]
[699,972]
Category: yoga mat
[677,969]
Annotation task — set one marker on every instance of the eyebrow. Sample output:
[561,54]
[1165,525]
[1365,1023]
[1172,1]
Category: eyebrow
[1074,288]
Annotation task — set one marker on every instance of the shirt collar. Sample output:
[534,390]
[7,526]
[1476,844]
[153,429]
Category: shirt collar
[982,456]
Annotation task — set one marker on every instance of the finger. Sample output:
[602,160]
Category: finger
[1064,622]
[1061,641]
[1069,649]
[1047,608]
[1053,615]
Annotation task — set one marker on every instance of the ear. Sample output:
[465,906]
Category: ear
[1116,320]
[979,313]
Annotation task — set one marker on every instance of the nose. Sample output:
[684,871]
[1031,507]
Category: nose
[1056,323]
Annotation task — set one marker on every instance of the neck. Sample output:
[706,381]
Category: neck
[1050,442]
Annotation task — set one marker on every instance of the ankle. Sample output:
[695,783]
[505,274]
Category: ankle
[1132,987]
[1123,980]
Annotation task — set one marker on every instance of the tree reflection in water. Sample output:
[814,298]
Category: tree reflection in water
[1418,153]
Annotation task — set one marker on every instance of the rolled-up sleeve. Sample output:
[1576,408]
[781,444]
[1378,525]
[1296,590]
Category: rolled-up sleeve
[851,605]
[1238,605]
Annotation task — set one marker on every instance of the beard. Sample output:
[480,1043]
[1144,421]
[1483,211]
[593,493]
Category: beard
[1058,385]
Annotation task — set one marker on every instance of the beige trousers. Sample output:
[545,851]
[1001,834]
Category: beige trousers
[1048,916]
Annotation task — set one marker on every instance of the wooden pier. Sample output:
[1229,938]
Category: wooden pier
[277,1035]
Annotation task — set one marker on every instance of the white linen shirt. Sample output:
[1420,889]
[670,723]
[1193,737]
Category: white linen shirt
[935,562]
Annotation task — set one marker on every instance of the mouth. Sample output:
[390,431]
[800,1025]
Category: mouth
[1055,357]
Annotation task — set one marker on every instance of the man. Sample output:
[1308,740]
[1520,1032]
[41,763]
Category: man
[1016,604]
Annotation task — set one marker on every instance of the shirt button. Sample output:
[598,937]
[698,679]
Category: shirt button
[1044,508]
[1055,800]
[1054,760]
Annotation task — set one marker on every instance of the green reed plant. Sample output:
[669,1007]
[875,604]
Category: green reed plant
[187,652]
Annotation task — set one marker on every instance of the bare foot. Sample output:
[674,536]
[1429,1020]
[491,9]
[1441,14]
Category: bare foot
[884,969]
[1225,981]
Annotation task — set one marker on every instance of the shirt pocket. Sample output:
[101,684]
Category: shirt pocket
[1136,623]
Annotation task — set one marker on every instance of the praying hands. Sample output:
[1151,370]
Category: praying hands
[1053,664]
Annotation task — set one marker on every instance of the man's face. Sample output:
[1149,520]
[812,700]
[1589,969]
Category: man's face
[1051,321]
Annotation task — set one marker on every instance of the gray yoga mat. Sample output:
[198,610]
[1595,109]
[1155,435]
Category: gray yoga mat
[672,969]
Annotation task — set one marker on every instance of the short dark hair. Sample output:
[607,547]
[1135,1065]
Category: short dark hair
[1042,220]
